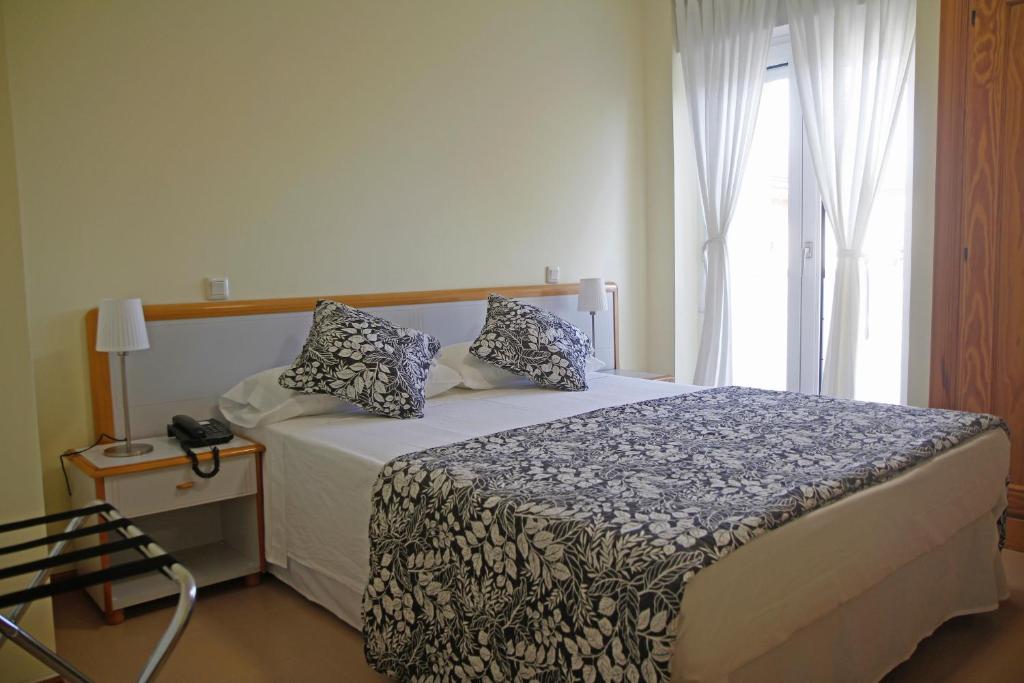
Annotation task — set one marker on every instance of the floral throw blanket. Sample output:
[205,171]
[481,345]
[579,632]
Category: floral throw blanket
[561,551]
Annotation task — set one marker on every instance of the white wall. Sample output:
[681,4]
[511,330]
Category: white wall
[659,55]
[21,491]
[318,147]
[689,222]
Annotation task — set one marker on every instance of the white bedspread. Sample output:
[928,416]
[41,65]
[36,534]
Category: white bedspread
[318,472]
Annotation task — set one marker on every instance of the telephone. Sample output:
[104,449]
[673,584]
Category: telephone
[192,433]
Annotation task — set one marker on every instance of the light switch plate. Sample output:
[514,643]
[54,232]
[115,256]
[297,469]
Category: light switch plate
[217,288]
[551,275]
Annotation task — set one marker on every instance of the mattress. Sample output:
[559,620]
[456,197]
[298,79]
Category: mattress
[740,611]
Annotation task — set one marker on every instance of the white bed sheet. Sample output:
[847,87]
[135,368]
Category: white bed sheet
[318,472]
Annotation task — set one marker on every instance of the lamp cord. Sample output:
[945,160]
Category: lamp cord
[69,453]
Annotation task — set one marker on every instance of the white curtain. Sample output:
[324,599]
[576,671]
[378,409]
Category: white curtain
[851,59]
[724,49]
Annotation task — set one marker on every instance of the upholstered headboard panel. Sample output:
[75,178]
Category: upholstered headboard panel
[198,351]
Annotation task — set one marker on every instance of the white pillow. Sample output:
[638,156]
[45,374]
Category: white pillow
[476,374]
[259,399]
[440,378]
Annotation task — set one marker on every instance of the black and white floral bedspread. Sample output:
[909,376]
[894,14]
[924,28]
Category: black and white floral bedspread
[561,551]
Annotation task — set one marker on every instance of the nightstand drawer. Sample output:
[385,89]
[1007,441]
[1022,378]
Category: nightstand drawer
[159,490]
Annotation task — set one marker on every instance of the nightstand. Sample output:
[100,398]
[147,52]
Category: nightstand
[639,374]
[214,527]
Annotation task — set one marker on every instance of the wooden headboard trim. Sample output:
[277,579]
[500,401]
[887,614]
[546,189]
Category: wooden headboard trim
[99,366]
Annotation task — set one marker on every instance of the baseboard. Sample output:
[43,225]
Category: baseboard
[1015,500]
[57,577]
[1015,533]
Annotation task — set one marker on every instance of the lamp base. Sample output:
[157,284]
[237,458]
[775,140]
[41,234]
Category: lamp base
[124,450]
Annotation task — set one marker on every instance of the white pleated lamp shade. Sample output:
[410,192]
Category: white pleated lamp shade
[592,296]
[121,326]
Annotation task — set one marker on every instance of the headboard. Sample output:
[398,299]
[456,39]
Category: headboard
[200,350]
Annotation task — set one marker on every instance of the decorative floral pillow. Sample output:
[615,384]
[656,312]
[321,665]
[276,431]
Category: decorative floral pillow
[532,342]
[364,359]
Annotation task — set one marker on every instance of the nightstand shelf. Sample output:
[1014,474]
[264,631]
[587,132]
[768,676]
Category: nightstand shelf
[209,564]
[639,374]
[214,527]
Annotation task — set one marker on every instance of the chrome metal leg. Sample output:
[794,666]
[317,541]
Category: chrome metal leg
[593,333]
[182,614]
[19,610]
[10,631]
[29,644]
[183,611]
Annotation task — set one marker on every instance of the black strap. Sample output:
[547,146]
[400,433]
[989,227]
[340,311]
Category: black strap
[66,535]
[195,463]
[75,556]
[121,571]
[55,517]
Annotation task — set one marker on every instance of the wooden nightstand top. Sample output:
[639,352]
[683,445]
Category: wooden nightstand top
[166,453]
[639,374]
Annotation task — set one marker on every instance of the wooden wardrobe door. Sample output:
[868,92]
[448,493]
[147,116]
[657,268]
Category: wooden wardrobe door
[978,295]
[954,25]
[981,159]
[1008,346]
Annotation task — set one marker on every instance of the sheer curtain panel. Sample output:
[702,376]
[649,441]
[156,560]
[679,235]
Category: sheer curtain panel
[724,49]
[851,60]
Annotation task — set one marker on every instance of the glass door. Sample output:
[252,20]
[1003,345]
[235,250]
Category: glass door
[775,260]
[881,348]
[783,255]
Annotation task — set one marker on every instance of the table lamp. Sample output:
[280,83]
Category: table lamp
[121,328]
[592,298]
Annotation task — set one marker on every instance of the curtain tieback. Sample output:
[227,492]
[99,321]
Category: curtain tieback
[720,239]
[717,239]
[862,262]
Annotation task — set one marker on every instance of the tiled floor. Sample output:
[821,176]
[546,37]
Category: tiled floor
[270,633]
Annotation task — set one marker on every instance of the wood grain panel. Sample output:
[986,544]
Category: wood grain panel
[953,28]
[982,127]
[1015,534]
[1008,375]
[218,309]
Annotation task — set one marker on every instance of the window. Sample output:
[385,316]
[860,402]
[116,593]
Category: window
[759,244]
[783,255]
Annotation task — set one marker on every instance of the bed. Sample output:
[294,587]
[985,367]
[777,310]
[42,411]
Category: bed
[874,573]
[851,608]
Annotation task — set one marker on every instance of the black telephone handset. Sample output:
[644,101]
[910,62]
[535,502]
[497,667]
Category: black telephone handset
[192,433]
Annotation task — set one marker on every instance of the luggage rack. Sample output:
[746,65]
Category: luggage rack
[154,558]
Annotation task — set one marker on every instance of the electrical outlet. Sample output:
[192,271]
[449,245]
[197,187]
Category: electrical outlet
[217,288]
[551,275]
